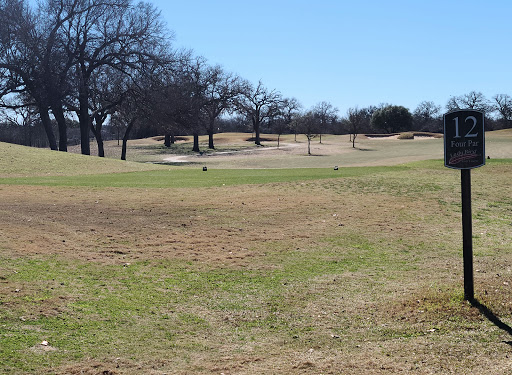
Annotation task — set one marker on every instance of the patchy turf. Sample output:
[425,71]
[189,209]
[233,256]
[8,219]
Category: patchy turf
[356,274]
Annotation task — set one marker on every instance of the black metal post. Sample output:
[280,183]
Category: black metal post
[467,234]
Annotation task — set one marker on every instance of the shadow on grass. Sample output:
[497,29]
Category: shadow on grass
[485,311]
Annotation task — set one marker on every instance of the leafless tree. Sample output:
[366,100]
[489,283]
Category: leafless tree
[472,100]
[426,115]
[111,33]
[258,104]
[326,112]
[192,83]
[356,119]
[23,118]
[221,91]
[52,52]
[286,113]
[309,124]
[503,105]
[133,110]
[27,45]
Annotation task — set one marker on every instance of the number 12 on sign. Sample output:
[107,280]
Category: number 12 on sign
[470,133]
[464,139]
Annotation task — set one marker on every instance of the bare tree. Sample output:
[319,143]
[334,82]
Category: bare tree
[192,82]
[286,113]
[309,124]
[170,103]
[426,116]
[258,104]
[472,100]
[326,112]
[51,53]
[108,88]
[132,110]
[23,118]
[111,33]
[503,105]
[27,42]
[356,118]
[221,91]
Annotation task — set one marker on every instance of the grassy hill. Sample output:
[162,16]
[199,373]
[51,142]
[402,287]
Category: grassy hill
[18,161]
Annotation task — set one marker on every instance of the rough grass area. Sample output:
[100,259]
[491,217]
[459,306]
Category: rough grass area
[282,272]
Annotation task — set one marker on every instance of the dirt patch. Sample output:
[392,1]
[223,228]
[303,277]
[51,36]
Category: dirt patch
[228,225]
[94,368]
[103,226]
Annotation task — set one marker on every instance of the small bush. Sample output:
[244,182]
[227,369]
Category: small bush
[406,136]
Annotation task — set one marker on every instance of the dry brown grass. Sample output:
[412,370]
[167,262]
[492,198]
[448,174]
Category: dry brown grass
[362,321]
[371,273]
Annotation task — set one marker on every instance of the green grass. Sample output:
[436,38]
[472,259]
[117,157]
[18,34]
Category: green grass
[187,177]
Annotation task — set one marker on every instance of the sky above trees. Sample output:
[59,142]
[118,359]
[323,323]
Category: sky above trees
[353,53]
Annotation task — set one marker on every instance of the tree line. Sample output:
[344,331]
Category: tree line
[80,69]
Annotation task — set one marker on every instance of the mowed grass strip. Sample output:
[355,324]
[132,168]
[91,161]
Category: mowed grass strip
[188,178]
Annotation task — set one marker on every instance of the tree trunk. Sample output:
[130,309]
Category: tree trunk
[61,122]
[123,148]
[210,139]
[101,149]
[28,135]
[85,126]
[210,130]
[47,124]
[99,141]
[309,146]
[320,137]
[196,142]
[257,132]
[98,119]
[278,136]
[173,139]
[125,139]
[167,140]
[84,118]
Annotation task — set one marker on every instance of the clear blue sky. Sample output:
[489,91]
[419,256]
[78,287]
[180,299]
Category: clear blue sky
[353,53]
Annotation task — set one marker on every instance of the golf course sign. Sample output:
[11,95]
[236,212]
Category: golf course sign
[464,139]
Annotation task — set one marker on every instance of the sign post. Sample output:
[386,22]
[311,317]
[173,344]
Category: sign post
[464,149]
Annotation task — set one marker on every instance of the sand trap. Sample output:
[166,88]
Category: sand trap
[416,137]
